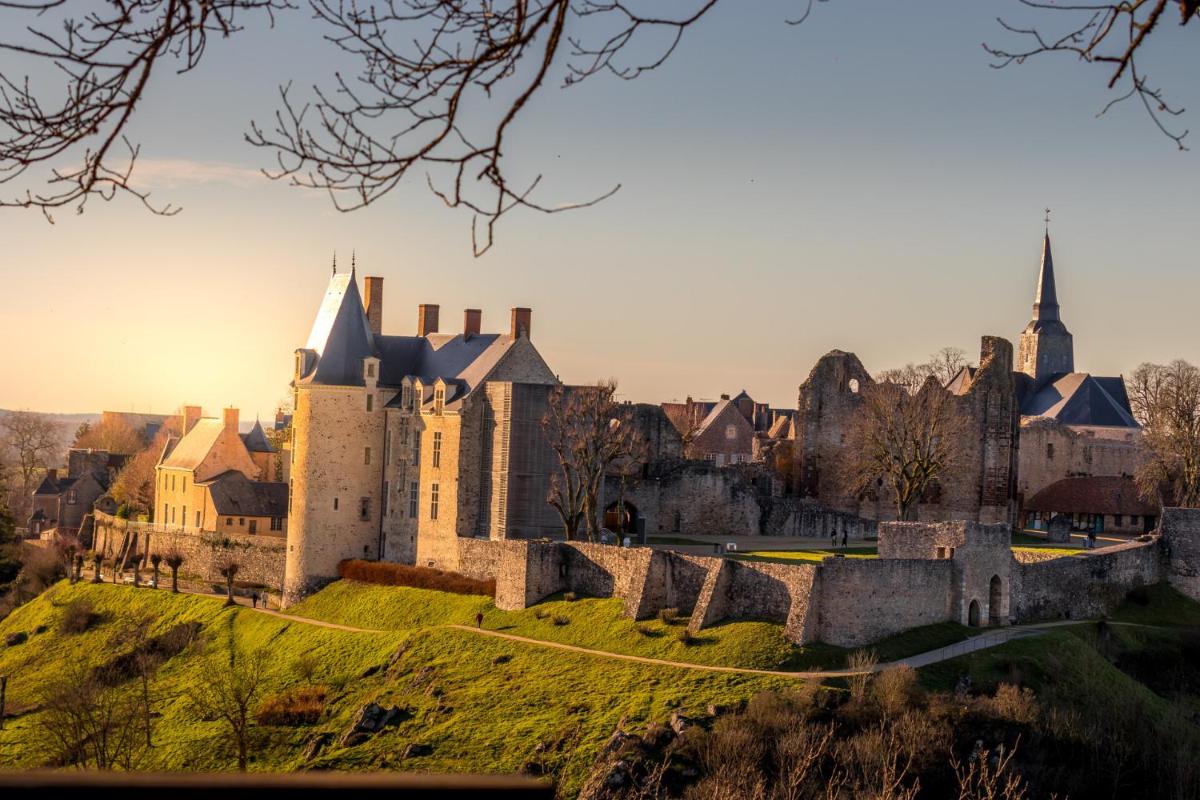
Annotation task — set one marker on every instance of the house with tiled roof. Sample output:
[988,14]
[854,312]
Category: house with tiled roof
[403,444]
[1081,500]
[64,497]
[710,432]
[213,478]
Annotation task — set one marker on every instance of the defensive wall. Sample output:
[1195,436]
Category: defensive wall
[926,573]
[260,558]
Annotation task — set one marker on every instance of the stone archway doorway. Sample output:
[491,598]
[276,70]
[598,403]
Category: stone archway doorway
[973,614]
[995,600]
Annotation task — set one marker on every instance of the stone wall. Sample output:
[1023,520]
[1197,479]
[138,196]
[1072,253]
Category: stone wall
[1180,528]
[1077,587]
[260,558]
[863,600]
[1051,451]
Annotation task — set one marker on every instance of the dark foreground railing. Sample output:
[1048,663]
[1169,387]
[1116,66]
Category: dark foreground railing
[274,786]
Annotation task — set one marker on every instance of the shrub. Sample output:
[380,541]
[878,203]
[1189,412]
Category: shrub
[540,613]
[863,663]
[561,620]
[388,574]
[895,689]
[79,616]
[1013,703]
[301,706]
[645,630]
[668,616]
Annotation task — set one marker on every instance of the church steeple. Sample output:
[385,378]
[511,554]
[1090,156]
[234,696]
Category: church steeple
[1045,303]
[1046,347]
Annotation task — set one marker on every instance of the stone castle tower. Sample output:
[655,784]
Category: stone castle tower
[1046,347]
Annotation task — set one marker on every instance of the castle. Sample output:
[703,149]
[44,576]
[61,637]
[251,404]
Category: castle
[401,444]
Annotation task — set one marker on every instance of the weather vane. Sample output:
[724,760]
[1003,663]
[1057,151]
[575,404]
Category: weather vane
[1047,219]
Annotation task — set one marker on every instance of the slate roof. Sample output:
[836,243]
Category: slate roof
[1045,303]
[233,494]
[53,486]
[1091,495]
[256,440]
[342,338]
[1077,398]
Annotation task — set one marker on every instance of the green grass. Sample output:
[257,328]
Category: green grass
[1054,551]
[1163,605]
[485,706]
[815,555]
[673,540]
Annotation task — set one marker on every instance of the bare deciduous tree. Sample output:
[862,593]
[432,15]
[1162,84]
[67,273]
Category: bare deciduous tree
[35,441]
[87,723]
[942,365]
[114,435]
[1166,400]
[904,442]
[228,688]
[228,569]
[590,434]
[174,561]
[1112,34]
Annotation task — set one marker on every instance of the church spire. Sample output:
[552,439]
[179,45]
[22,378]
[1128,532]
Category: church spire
[1045,303]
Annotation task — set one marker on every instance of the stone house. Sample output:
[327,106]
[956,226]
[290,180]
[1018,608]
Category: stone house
[712,432]
[402,444]
[61,501]
[210,479]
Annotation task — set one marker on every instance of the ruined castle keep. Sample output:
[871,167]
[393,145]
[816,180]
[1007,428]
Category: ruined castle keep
[982,491]
[401,444]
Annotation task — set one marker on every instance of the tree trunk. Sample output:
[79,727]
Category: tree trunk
[229,601]
[96,570]
[175,580]
[154,580]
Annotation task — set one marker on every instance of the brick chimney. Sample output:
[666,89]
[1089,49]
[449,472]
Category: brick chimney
[373,303]
[427,319]
[472,321]
[231,421]
[52,474]
[522,318]
[191,415]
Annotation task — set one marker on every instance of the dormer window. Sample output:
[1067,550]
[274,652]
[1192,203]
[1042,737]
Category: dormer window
[439,399]
[370,369]
[418,393]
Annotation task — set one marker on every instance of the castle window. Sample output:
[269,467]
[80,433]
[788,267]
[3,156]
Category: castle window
[172,515]
[437,448]
[172,483]
[183,517]
[254,526]
[413,499]
[276,523]
[335,504]
[370,402]
[433,501]
[416,459]
[241,522]
[197,519]
[366,455]
[439,399]
[1049,449]
[370,372]
[364,508]
[228,521]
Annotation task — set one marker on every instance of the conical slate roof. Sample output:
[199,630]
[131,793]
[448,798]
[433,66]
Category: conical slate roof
[1045,304]
[340,335]
[256,440]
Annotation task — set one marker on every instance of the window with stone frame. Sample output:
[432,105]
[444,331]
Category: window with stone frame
[439,399]
[433,501]
[437,449]
[370,402]
[364,508]
[276,523]
[367,455]
[414,499]
[416,449]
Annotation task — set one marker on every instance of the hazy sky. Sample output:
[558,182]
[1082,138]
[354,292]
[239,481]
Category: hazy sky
[864,181]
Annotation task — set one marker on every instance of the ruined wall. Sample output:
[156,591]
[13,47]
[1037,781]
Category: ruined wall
[827,403]
[1180,528]
[1076,587]
[682,497]
[863,600]
[755,590]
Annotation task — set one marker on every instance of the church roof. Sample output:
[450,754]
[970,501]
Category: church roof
[1077,398]
[1045,303]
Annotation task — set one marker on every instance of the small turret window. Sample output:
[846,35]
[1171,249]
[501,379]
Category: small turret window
[370,402]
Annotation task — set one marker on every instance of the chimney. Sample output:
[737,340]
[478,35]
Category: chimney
[191,415]
[231,420]
[521,320]
[373,303]
[52,474]
[427,319]
[472,321]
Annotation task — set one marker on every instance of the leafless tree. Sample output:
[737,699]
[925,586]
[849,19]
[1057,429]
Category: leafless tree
[134,485]
[228,569]
[989,776]
[174,561]
[590,434]
[904,442]
[35,441]
[942,365]
[1166,400]
[87,723]
[228,688]
[1112,34]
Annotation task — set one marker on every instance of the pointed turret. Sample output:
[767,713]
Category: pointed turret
[341,337]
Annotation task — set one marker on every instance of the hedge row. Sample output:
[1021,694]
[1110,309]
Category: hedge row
[386,573]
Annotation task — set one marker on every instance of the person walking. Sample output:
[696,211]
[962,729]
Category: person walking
[845,537]
[479,620]
[254,600]
[833,539]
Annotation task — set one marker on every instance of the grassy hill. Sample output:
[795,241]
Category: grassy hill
[481,704]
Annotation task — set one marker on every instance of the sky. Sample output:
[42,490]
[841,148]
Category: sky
[865,181]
